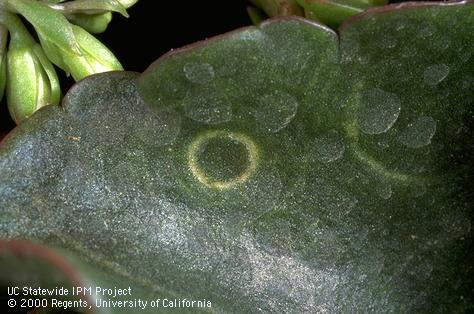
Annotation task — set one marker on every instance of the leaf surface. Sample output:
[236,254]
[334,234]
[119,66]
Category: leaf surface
[281,167]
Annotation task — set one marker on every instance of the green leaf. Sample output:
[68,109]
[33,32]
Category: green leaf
[281,167]
[58,274]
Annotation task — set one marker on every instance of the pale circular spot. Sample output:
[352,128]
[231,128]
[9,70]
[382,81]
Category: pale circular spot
[435,74]
[207,107]
[419,133]
[378,111]
[328,146]
[276,110]
[222,159]
[199,73]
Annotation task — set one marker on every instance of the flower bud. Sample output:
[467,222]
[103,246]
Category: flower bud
[278,7]
[334,12]
[31,79]
[28,84]
[47,22]
[90,7]
[127,3]
[94,56]
[3,59]
[96,23]
[51,73]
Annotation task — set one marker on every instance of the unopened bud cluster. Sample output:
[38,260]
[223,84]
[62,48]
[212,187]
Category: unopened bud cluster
[63,29]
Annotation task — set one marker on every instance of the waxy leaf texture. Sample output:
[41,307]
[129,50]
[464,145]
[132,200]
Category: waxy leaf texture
[279,168]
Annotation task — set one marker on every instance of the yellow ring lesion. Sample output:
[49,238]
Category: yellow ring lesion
[201,176]
[353,134]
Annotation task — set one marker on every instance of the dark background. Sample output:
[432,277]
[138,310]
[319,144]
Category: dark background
[155,27]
